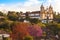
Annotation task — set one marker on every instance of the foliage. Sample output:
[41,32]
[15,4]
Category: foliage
[28,38]
[1,14]
[21,30]
[57,18]
[35,30]
[27,16]
[21,19]
[58,25]
[41,25]
[12,16]
[53,28]
[34,20]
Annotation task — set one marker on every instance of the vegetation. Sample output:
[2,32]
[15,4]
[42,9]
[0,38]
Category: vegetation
[28,38]
[21,30]
[14,22]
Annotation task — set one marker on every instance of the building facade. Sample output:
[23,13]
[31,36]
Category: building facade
[46,15]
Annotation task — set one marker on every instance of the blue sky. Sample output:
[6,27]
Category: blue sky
[11,1]
[15,1]
[28,5]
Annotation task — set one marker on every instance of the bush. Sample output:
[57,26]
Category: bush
[28,38]
[34,20]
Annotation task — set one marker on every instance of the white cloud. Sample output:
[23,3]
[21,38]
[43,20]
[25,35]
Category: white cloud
[31,5]
[31,2]
[56,5]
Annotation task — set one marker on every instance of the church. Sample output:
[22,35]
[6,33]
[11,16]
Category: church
[46,15]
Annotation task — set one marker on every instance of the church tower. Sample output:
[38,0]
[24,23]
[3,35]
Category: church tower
[42,13]
[50,13]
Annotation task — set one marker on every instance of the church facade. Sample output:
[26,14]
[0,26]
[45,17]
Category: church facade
[46,15]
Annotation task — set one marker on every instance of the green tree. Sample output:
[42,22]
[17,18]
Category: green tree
[34,20]
[58,25]
[12,16]
[28,38]
[41,25]
[20,18]
[27,16]
[1,14]
[57,18]
[53,28]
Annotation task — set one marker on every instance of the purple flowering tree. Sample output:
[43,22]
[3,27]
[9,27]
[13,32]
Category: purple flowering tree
[35,30]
